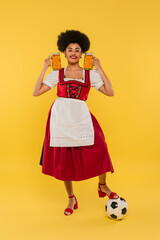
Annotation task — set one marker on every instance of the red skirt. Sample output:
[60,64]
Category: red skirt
[76,163]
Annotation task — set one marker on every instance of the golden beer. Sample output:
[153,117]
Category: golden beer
[88,58]
[56,61]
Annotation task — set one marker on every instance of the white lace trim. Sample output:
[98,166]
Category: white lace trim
[55,142]
[75,137]
[73,78]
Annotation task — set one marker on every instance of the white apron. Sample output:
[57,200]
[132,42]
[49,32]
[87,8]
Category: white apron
[70,123]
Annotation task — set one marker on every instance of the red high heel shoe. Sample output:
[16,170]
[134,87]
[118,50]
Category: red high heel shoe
[69,209]
[103,194]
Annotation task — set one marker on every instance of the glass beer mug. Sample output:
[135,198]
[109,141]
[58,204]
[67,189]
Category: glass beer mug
[88,58]
[56,61]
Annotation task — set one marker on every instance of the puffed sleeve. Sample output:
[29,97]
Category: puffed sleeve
[51,79]
[96,79]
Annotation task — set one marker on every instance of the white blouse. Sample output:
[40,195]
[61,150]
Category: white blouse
[51,79]
[70,122]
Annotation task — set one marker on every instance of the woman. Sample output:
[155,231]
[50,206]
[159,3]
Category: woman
[74,147]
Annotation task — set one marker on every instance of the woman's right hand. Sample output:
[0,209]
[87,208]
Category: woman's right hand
[47,63]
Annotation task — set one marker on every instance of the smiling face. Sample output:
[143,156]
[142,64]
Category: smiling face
[73,52]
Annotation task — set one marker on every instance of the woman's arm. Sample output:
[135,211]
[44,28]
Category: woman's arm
[103,90]
[39,86]
[107,87]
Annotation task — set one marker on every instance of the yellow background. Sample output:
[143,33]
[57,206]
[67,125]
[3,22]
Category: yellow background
[125,37]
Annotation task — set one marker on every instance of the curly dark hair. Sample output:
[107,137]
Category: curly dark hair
[73,36]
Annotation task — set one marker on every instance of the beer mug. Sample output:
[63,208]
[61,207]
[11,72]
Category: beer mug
[88,58]
[55,61]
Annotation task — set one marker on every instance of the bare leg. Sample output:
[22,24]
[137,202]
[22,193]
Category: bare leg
[105,188]
[69,189]
[102,178]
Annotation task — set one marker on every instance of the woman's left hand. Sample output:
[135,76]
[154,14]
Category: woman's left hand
[96,63]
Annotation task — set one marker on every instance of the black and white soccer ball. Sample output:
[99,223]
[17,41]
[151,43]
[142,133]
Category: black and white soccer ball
[116,208]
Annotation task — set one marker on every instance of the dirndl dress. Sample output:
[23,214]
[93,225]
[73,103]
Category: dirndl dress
[74,146]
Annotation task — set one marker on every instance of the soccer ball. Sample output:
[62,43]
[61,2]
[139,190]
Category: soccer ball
[116,208]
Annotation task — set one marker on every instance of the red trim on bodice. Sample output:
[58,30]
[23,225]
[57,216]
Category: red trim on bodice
[73,88]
